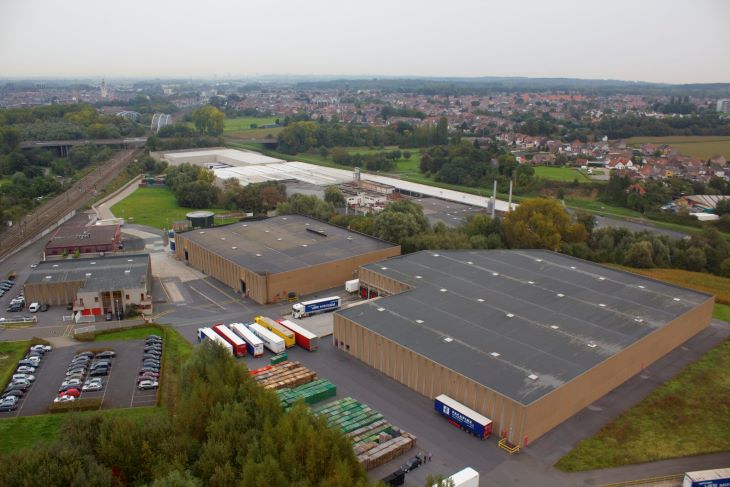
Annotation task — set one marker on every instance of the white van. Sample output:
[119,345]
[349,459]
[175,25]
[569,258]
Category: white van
[34,307]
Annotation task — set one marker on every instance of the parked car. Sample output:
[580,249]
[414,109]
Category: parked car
[16,393]
[25,369]
[44,307]
[72,382]
[70,306]
[71,392]
[101,371]
[64,398]
[42,348]
[106,354]
[16,387]
[93,386]
[27,377]
[411,464]
[30,362]
[149,369]
[34,307]
[154,337]
[6,407]
[148,373]
[147,384]
[85,354]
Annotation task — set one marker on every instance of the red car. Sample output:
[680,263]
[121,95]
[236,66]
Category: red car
[71,392]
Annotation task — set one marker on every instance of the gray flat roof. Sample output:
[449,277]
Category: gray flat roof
[100,274]
[500,316]
[283,243]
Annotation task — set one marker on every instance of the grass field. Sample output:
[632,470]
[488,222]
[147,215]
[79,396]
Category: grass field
[601,208]
[25,432]
[702,147]
[699,281]
[689,415]
[10,353]
[565,174]
[240,128]
[721,312]
[155,207]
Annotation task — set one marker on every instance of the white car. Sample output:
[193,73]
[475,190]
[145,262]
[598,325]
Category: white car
[92,386]
[42,348]
[147,384]
[34,307]
[64,399]
[27,377]
[72,382]
[24,369]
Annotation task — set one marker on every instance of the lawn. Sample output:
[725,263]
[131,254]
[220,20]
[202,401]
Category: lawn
[688,415]
[154,207]
[699,281]
[10,353]
[240,128]
[564,174]
[702,147]
[721,312]
[601,208]
[24,432]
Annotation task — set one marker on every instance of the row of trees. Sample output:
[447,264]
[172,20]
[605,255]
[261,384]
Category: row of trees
[226,430]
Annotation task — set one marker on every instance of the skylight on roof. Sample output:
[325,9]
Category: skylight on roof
[601,305]
[561,295]
[55,265]
[435,255]
[419,321]
[510,315]
[130,260]
[383,268]
[641,287]
[258,255]
[304,245]
[234,247]
[480,300]
[419,277]
[601,278]
[538,260]
[530,282]
[554,327]
[676,299]
[638,320]
[495,273]
[381,309]
[572,267]
[591,345]
[88,274]
[92,263]
[532,377]
[470,262]
[495,354]
[202,232]
[448,339]
[443,289]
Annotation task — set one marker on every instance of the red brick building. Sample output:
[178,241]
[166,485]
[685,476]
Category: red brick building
[87,240]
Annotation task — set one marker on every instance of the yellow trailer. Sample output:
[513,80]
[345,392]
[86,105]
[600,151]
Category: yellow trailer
[278,329]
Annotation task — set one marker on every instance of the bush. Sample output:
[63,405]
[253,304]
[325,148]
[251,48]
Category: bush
[82,404]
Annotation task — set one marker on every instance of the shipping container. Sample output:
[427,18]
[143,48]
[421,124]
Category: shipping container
[352,286]
[239,346]
[277,329]
[307,308]
[719,477]
[210,335]
[304,338]
[273,342]
[463,417]
[464,478]
[253,343]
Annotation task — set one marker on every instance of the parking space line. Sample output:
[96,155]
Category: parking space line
[205,280]
[208,298]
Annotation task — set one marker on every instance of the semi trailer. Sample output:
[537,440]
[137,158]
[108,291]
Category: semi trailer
[273,342]
[304,338]
[239,346]
[308,308]
[719,477]
[209,335]
[463,417]
[254,344]
[463,478]
[277,329]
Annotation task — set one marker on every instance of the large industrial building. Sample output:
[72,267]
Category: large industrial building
[69,239]
[277,258]
[94,286]
[525,337]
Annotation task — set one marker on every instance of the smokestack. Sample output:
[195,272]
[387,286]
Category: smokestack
[494,198]
[509,201]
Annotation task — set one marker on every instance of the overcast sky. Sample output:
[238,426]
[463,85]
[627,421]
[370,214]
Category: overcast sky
[673,41]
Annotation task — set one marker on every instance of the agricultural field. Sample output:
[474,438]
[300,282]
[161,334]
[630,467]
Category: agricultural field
[240,128]
[154,207]
[675,420]
[10,353]
[702,147]
[699,281]
[564,174]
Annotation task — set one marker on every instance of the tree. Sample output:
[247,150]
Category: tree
[639,255]
[541,224]
[441,136]
[723,207]
[588,220]
[209,120]
[333,195]
[307,205]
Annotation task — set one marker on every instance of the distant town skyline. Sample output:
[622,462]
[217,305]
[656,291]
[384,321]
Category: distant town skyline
[685,42]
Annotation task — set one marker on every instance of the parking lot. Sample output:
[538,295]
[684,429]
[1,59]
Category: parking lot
[119,386]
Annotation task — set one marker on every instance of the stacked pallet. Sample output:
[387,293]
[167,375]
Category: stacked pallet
[277,359]
[310,393]
[284,375]
[386,451]
[374,440]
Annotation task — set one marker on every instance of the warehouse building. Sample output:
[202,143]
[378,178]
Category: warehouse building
[94,286]
[525,337]
[69,239]
[281,257]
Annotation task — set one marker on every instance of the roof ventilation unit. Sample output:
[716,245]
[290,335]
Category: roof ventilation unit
[321,233]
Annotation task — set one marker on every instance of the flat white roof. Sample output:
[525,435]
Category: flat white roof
[252,167]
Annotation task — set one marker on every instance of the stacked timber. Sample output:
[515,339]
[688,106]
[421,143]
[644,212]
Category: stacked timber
[284,375]
[310,393]
[387,451]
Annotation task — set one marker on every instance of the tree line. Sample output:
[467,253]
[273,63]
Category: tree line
[225,430]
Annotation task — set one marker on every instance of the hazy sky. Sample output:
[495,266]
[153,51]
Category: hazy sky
[664,40]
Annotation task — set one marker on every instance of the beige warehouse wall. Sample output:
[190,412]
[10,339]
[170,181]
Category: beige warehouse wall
[56,293]
[561,404]
[427,377]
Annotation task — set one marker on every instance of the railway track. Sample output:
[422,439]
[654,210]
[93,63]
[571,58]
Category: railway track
[72,199]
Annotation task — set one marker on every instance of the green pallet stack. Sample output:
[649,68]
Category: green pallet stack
[349,415]
[277,359]
[310,393]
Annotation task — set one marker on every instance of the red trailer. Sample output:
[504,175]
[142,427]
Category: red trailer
[304,338]
[239,346]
